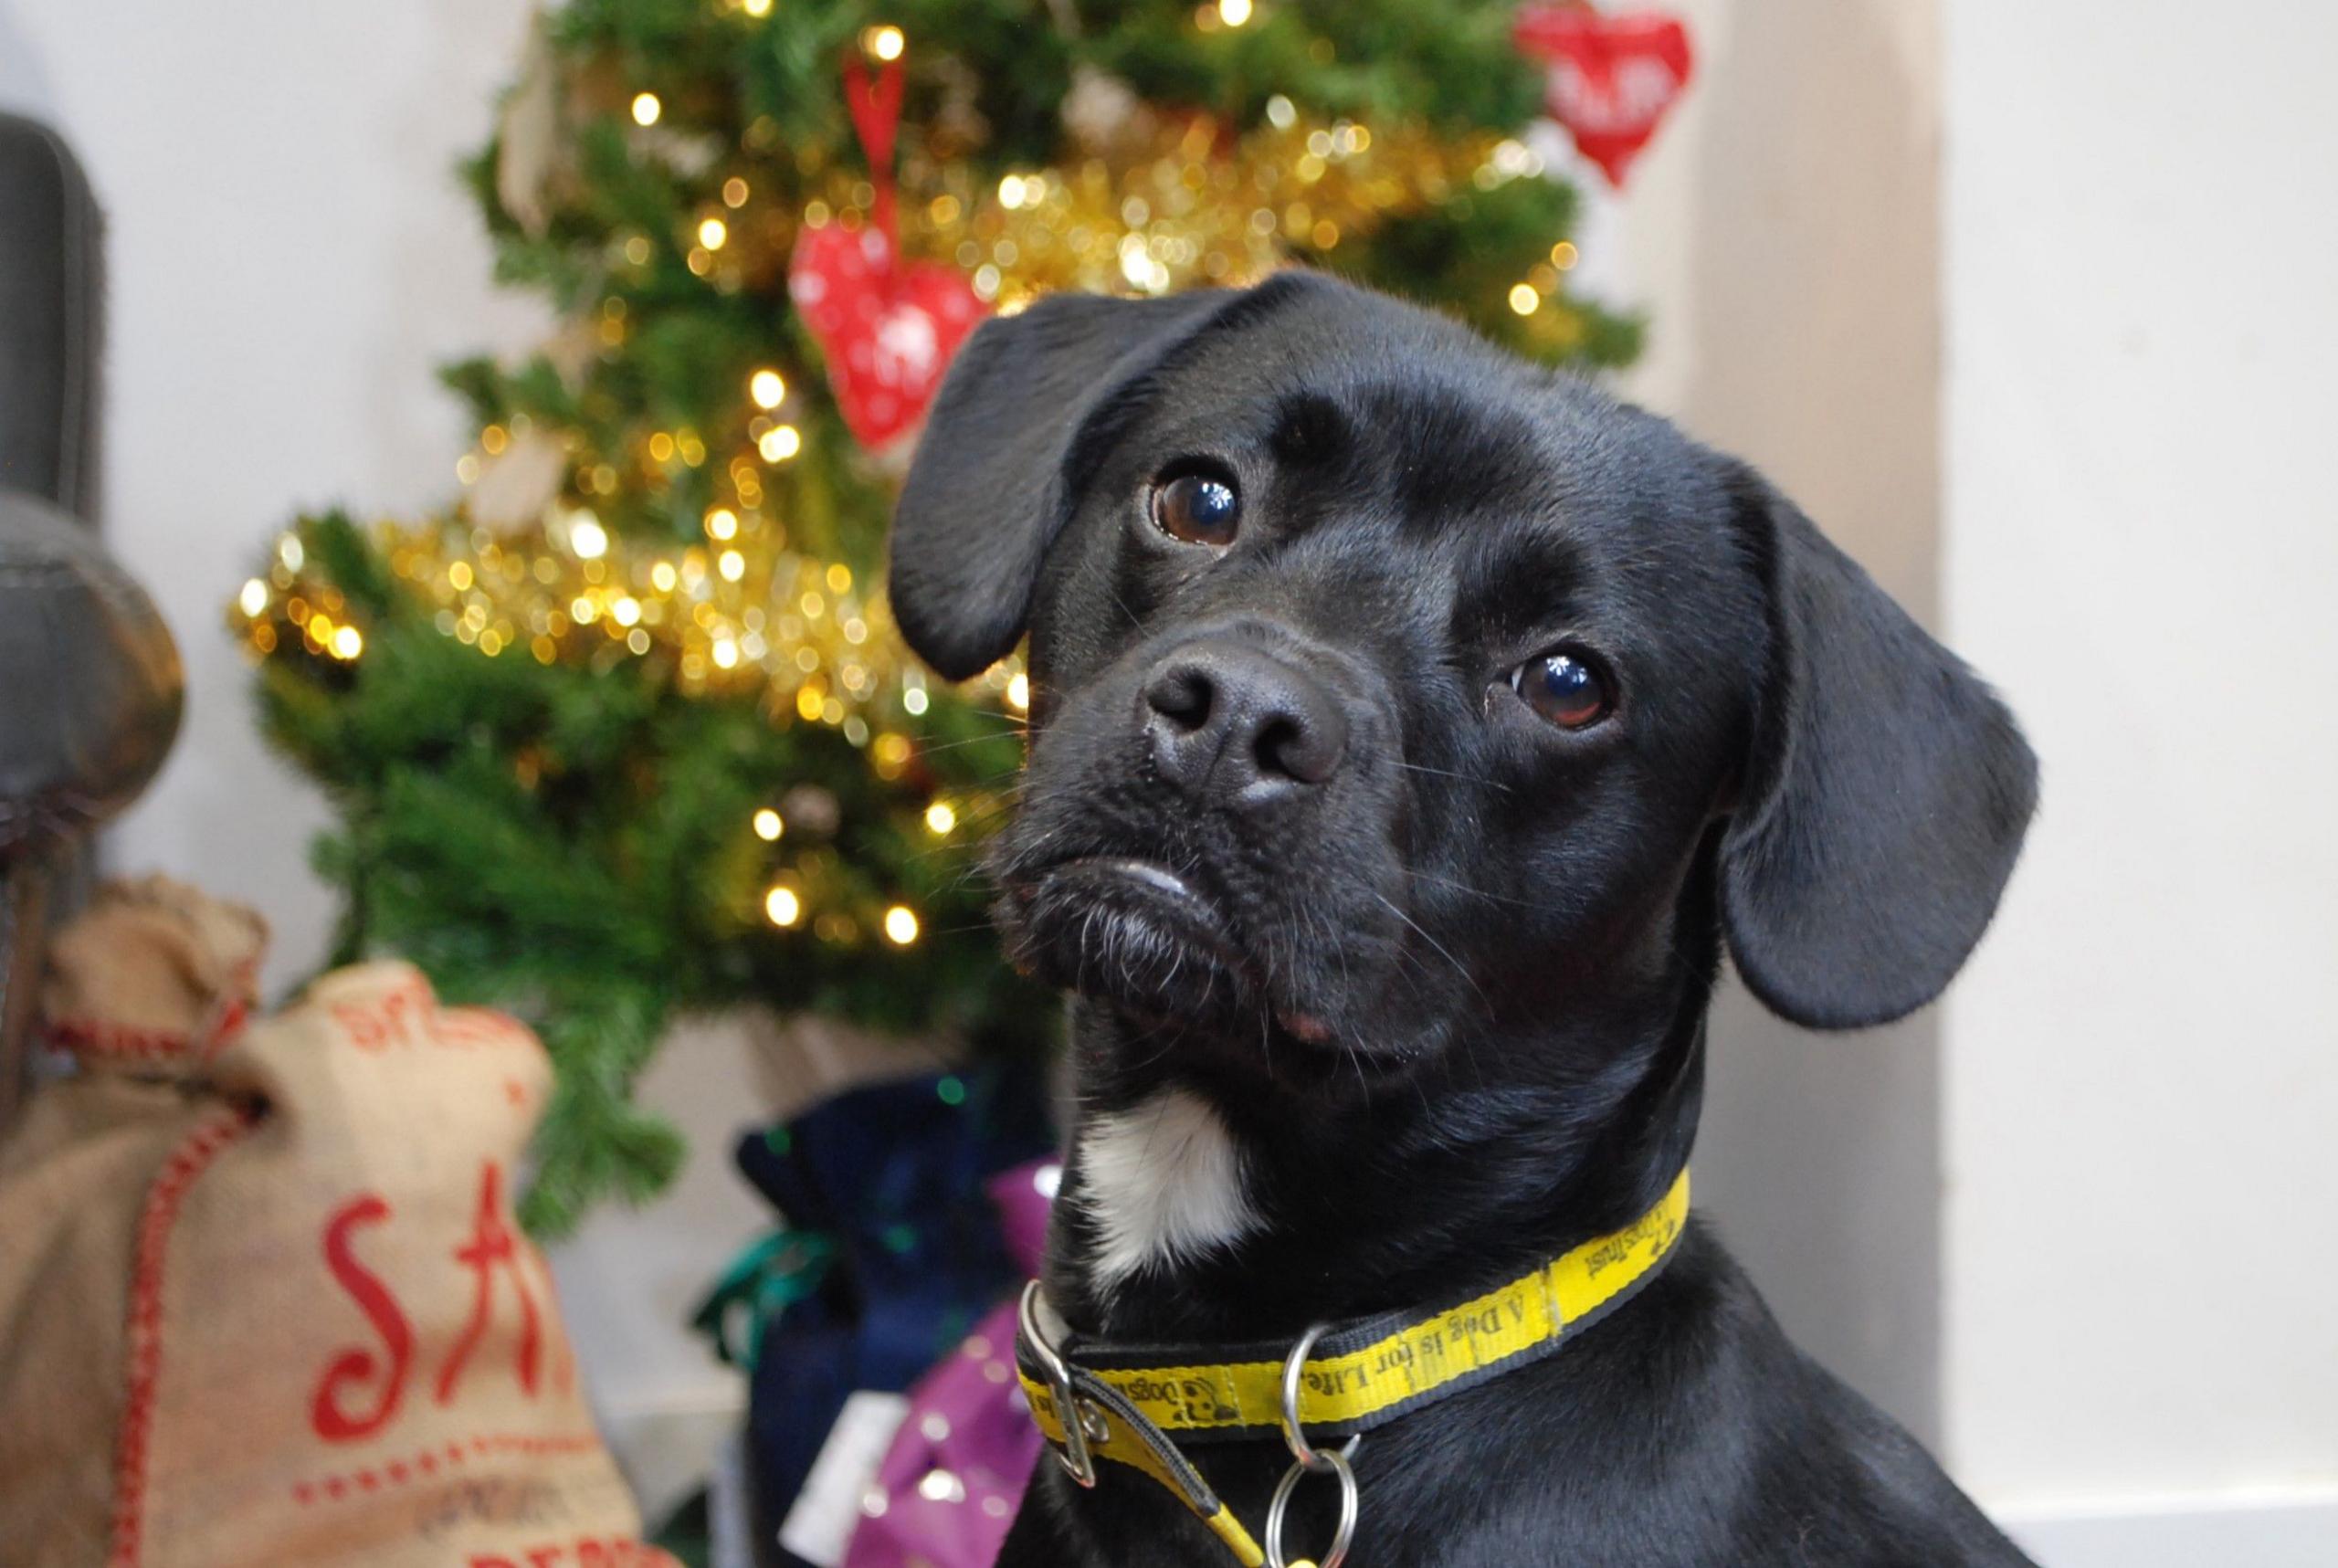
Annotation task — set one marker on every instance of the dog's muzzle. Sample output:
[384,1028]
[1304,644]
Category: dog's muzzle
[1205,834]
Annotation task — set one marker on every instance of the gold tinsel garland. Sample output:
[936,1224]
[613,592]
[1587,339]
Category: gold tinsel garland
[743,610]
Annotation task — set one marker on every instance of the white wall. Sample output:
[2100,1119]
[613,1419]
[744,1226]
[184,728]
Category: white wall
[289,259]
[2142,547]
[1782,235]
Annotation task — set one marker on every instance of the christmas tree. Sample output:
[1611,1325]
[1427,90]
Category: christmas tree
[625,730]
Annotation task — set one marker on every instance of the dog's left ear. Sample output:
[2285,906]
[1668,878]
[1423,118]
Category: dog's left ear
[1026,398]
[1884,801]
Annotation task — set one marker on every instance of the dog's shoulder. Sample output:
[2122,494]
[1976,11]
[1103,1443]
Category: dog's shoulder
[1685,1426]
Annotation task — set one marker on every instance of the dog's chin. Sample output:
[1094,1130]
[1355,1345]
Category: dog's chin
[1131,932]
[1134,934]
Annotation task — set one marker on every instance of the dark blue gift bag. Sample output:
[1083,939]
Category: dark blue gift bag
[890,1252]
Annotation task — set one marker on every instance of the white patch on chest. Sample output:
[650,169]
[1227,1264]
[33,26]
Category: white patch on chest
[1162,1182]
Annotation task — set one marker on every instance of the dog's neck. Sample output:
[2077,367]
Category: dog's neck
[1209,1205]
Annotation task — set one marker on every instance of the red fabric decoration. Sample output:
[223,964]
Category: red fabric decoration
[1612,77]
[887,330]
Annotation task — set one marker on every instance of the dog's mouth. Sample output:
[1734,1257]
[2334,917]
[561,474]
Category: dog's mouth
[1140,934]
[1131,930]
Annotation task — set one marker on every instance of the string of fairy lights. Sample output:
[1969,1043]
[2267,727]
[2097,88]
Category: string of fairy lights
[1175,203]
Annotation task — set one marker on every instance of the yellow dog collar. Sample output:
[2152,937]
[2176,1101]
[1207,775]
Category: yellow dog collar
[1134,1403]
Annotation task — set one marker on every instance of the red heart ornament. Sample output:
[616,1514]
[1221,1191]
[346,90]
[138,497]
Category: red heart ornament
[1612,77]
[887,331]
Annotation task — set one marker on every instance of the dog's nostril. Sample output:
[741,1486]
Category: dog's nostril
[1182,695]
[1289,747]
[1275,737]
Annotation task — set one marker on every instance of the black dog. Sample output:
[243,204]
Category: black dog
[1412,727]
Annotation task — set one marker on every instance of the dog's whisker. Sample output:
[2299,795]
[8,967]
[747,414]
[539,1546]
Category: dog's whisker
[1491,897]
[1495,784]
[1458,968]
[991,739]
[1124,606]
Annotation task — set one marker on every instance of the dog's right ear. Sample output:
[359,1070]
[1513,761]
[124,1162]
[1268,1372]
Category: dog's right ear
[990,489]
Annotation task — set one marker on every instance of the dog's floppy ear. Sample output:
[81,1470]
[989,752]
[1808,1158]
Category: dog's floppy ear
[988,490]
[1885,798]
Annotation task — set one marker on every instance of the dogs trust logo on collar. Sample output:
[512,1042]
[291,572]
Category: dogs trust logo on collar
[1191,1400]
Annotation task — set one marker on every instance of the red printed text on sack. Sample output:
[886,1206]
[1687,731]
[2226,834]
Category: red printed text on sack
[360,1388]
[408,1015]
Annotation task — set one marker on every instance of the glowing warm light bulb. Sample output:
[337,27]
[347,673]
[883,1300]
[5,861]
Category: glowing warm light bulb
[1524,299]
[757,8]
[1234,13]
[726,654]
[589,539]
[780,442]
[913,700]
[347,643]
[900,925]
[884,43]
[732,564]
[254,598]
[766,389]
[939,819]
[662,577]
[712,232]
[1018,693]
[782,907]
[768,826]
[626,611]
[646,109]
[723,523]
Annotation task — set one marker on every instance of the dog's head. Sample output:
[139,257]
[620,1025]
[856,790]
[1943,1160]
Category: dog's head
[1382,682]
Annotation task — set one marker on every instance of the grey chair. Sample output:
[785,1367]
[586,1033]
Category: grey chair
[89,680]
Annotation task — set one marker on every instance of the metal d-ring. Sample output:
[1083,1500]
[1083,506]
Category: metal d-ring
[1318,1461]
[1312,1459]
[1074,1455]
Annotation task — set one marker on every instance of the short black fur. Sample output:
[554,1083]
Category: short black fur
[1447,991]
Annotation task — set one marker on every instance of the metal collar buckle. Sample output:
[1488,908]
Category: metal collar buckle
[1082,1422]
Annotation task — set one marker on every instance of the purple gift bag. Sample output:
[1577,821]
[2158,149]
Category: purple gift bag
[949,1484]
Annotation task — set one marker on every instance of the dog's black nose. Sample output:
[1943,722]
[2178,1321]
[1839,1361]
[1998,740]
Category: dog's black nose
[1235,724]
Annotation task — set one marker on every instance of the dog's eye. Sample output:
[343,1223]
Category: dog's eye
[1198,509]
[1564,688]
